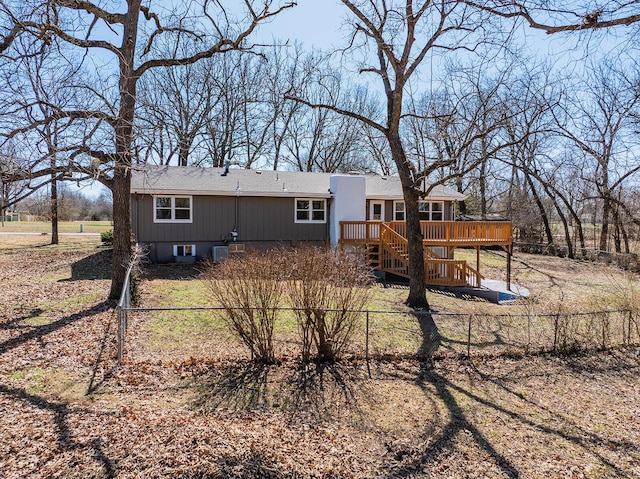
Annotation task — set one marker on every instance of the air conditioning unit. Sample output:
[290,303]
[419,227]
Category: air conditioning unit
[220,253]
[236,248]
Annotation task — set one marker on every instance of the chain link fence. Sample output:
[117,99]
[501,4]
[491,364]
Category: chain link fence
[201,332]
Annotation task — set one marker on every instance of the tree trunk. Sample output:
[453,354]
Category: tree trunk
[462,204]
[2,202]
[543,212]
[121,182]
[121,229]
[604,232]
[417,286]
[482,180]
[54,207]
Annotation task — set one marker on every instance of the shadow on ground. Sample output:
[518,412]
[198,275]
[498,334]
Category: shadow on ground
[38,332]
[95,266]
[61,412]
[313,389]
[172,271]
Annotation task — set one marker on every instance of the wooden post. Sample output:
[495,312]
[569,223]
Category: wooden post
[478,265]
[509,269]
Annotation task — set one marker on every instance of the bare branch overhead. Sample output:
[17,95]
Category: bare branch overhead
[551,18]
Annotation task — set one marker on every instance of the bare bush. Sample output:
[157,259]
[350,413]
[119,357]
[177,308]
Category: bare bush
[326,288]
[249,290]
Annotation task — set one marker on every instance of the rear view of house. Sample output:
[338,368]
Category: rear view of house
[184,213]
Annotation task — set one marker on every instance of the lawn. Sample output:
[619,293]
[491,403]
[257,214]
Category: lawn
[66,227]
[178,408]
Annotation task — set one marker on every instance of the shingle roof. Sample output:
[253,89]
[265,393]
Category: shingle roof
[188,180]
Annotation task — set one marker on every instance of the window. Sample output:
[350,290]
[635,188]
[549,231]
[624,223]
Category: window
[172,209]
[310,211]
[437,211]
[398,211]
[431,211]
[184,250]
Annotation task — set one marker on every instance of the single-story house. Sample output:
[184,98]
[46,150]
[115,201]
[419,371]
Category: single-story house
[184,213]
[187,211]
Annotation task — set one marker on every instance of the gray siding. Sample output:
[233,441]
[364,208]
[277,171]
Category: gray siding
[260,221]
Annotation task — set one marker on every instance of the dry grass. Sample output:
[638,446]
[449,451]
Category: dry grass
[68,412]
[66,227]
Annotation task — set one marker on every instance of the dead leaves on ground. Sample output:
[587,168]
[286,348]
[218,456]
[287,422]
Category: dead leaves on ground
[66,411]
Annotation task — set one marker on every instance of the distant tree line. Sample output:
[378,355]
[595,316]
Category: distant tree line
[72,206]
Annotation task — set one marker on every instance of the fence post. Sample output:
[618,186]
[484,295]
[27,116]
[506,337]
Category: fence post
[469,337]
[124,304]
[366,341]
[120,334]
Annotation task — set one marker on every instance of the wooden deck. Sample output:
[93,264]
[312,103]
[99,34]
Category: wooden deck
[386,248]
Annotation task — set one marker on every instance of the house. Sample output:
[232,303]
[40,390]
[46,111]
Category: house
[182,213]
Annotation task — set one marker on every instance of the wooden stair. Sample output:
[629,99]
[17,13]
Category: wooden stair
[392,256]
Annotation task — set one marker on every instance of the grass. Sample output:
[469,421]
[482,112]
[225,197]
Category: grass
[522,328]
[44,227]
[39,245]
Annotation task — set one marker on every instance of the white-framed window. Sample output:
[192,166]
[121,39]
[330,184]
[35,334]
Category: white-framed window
[431,211]
[309,210]
[184,250]
[172,209]
[398,211]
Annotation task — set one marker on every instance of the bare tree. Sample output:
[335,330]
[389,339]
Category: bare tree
[174,105]
[130,37]
[396,37]
[598,121]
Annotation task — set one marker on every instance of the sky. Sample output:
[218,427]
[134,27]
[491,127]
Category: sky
[320,23]
[314,22]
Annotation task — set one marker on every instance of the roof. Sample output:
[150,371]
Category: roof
[190,180]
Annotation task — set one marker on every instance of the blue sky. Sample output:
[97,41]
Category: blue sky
[319,23]
[313,22]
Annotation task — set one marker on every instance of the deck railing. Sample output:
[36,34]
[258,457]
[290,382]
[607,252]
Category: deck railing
[435,233]
[392,249]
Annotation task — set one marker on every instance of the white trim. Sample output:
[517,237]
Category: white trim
[372,203]
[172,208]
[176,246]
[430,209]
[310,210]
[404,210]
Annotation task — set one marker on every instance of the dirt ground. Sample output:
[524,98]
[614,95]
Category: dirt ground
[67,411]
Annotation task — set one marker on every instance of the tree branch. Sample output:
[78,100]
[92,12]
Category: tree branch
[335,109]
[590,21]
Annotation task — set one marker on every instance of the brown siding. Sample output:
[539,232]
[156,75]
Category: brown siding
[260,221]
[448,211]
[388,210]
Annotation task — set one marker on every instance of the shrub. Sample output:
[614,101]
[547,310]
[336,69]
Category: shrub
[248,289]
[326,288]
[107,237]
